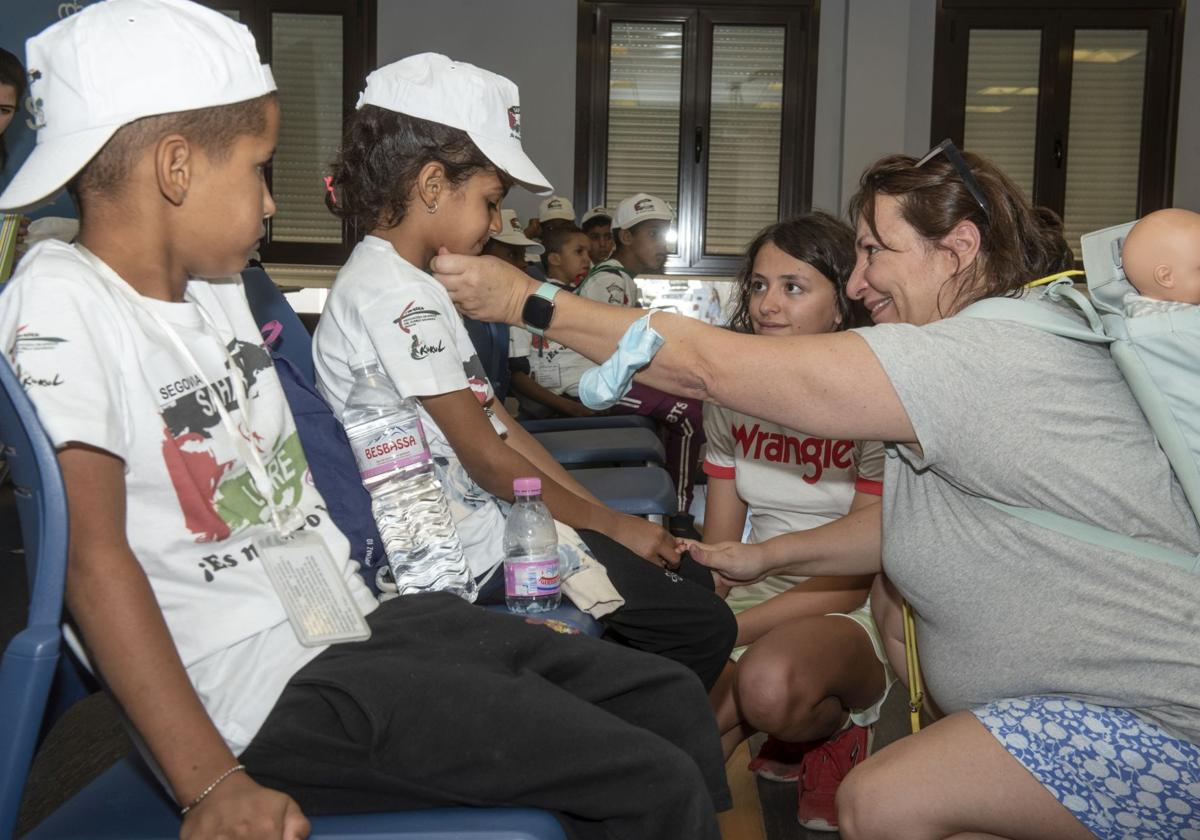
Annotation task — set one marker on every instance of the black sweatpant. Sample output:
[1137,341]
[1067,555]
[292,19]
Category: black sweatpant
[449,704]
[674,614]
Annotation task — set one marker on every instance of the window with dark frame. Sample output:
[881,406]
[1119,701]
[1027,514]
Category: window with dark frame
[320,52]
[1076,101]
[697,103]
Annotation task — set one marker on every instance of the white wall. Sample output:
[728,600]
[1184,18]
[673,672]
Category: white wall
[531,42]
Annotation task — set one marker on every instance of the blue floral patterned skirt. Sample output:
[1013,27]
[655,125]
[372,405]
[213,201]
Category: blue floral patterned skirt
[1121,776]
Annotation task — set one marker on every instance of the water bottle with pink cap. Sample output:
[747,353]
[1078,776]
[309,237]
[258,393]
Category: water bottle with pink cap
[531,573]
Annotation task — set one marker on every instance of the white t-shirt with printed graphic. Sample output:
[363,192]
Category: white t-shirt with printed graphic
[790,481]
[382,304]
[102,371]
[610,282]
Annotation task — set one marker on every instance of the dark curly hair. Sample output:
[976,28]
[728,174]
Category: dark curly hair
[382,154]
[1017,243]
[818,239]
[12,73]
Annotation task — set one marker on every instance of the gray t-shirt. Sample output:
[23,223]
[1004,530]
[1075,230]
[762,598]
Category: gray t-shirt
[1005,608]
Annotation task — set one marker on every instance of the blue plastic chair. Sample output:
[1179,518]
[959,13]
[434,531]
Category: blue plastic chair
[596,440]
[125,801]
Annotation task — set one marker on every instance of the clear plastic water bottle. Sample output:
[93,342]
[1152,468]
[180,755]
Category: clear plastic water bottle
[531,573]
[419,537]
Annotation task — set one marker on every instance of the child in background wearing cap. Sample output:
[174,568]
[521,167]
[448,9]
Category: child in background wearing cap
[425,162]
[640,228]
[554,211]
[182,469]
[597,224]
[544,371]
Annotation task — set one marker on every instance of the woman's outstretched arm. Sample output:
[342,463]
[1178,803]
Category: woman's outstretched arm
[830,385]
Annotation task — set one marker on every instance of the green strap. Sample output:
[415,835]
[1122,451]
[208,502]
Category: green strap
[601,268]
[1097,536]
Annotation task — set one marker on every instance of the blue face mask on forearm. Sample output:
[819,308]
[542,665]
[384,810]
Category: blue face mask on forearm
[601,387]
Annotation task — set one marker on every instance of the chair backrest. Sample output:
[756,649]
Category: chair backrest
[291,338]
[29,662]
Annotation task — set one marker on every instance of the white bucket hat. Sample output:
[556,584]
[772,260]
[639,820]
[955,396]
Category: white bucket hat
[483,104]
[556,207]
[511,233]
[639,208]
[118,61]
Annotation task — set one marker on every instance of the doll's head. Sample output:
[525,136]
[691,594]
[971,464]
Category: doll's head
[1161,256]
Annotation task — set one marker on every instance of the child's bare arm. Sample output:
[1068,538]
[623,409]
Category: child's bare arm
[494,464]
[528,386]
[112,603]
[724,511]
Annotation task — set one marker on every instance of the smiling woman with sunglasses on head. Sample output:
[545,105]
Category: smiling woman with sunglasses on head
[1068,672]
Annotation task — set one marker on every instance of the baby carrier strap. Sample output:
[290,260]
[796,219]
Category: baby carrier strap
[1157,354]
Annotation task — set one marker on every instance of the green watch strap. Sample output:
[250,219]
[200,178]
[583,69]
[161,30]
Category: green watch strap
[546,292]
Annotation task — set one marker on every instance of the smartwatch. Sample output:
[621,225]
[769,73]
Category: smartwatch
[539,308]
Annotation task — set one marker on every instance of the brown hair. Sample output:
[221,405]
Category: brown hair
[1018,242]
[818,239]
[212,129]
[382,154]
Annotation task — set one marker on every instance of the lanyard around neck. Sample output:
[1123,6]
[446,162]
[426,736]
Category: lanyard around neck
[285,521]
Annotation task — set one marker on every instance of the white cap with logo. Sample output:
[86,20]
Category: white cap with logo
[639,208]
[556,207]
[596,213]
[118,61]
[483,104]
[511,233]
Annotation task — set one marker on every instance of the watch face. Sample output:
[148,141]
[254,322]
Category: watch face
[537,312]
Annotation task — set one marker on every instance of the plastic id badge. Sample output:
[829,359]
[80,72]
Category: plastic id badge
[315,596]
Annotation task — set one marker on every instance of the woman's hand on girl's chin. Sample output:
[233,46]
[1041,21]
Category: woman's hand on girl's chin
[483,288]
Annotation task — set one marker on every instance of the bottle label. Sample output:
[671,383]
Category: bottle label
[389,445]
[531,577]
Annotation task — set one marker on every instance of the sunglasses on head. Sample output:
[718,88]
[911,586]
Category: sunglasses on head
[947,148]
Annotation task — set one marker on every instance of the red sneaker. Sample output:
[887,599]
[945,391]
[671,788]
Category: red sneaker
[822,772]
[779,761]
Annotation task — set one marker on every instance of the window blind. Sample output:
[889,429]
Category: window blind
[645,74]
[1002,99]
[306,58]
[745,124]
[1105,140]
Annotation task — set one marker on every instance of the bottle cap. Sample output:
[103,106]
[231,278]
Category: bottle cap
[527,486]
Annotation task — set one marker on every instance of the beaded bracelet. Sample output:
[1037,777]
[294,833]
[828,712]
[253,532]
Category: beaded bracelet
[184,810]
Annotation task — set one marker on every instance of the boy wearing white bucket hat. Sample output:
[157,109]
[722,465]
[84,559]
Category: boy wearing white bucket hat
[184,474]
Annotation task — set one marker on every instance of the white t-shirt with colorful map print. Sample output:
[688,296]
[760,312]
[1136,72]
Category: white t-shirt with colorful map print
[790,481]
[382,304]
[102,371]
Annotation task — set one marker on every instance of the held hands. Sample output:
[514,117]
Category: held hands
[241,808]
[649,541]
[483,288]
[736,563]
